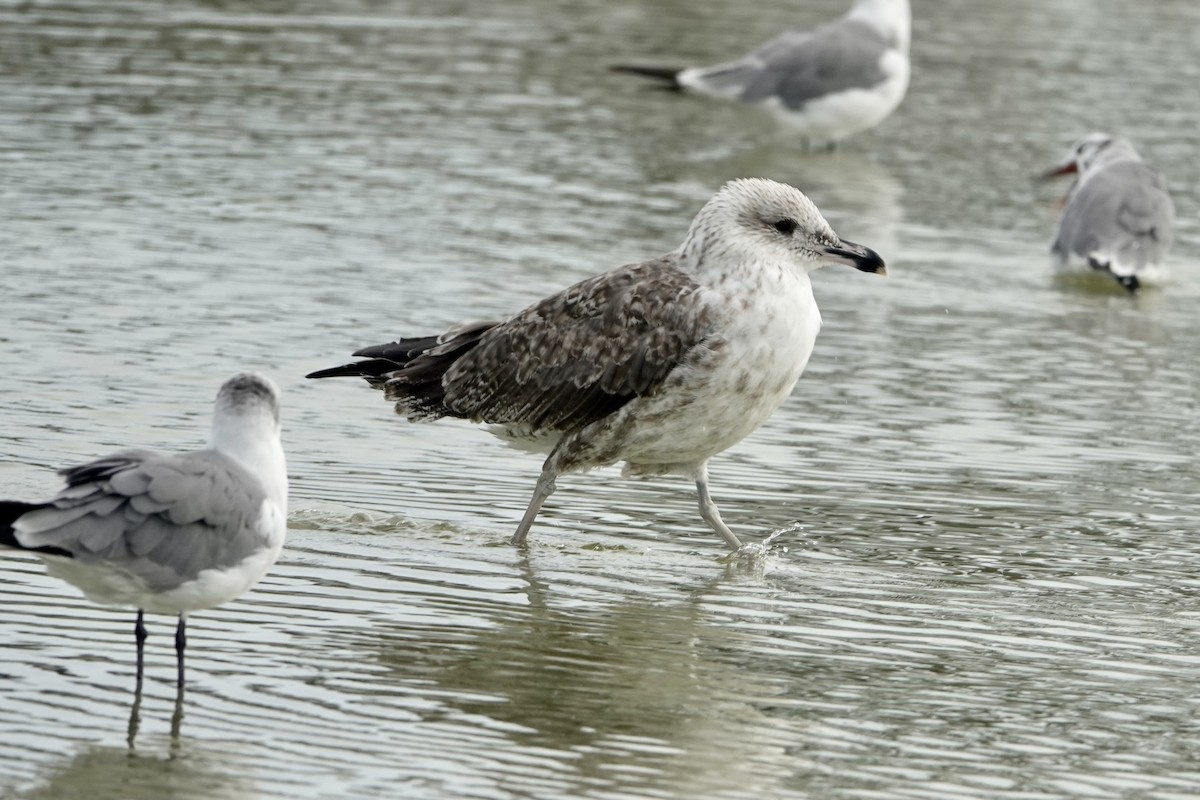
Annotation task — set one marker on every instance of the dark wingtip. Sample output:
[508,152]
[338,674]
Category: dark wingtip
[10,512]
[1130,282]
[345,370]
[668,77]
[368,368]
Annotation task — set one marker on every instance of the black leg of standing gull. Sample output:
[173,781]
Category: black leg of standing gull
[139,636]
[180,646]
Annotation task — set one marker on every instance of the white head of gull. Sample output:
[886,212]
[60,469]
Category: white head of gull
[1118,218]
[169,534]
[661,364]
[824,83]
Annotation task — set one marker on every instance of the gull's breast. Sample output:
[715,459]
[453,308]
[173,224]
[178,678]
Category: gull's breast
[731,384]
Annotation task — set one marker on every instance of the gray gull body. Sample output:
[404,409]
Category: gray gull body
[661,364]
[169,534]
[826,83]
[1118,217]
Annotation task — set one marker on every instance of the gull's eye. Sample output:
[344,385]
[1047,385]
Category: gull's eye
[786,226]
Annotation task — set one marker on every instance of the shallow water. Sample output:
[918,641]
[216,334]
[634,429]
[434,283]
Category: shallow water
[984,489]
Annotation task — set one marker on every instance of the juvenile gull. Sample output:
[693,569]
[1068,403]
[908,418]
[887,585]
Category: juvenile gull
[1118,217]
[169,534]
[661,364]
[827,83]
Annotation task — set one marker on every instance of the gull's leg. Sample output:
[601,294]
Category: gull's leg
[708,509]
[177,720]
[139,634]
[180,644]
[131,731]
[545,487]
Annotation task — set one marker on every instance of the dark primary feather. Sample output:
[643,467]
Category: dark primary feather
[561,364]
[383,359]
[667,77]
[164,518]
[10,511]
[369,369]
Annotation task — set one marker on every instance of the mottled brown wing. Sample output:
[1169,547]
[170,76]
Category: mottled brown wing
[579,355]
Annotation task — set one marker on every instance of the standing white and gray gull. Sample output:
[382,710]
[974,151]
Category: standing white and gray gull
[661,364]
[1118,217]
[169,534]
[826,83]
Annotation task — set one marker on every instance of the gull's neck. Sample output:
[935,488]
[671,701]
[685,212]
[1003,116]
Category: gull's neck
[732,270]
[252,437]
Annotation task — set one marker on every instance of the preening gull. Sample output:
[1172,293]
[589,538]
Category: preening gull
[169,534]
[661,364]
[827,83]
[1118,217]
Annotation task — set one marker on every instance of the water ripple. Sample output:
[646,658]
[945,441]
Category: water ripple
[979,506]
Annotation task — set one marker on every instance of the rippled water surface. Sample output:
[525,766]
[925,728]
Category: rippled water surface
[985,488]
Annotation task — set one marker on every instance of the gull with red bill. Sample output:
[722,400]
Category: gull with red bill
[1118,218]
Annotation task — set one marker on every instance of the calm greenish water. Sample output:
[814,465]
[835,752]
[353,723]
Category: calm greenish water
[987,481]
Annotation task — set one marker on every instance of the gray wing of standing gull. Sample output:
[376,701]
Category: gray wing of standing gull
[164,518]
[1122,211]
[802,65]
[565,362]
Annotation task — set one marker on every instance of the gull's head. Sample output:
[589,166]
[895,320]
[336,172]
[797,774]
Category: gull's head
[892,17]
[249,395]
[1093,151]
[754,219]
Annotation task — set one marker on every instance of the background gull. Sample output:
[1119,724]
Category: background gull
[661,364]
[827,83]
[1118,218]
[169,534]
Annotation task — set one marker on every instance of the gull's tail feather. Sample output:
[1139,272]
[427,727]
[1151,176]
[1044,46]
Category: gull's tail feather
[667,77]
[10,512]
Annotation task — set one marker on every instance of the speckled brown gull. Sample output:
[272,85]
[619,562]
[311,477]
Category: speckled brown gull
[169,533]
[825,83]
[661,364]
[1118,218]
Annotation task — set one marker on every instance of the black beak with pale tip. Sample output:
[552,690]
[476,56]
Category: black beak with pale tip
[861,258]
